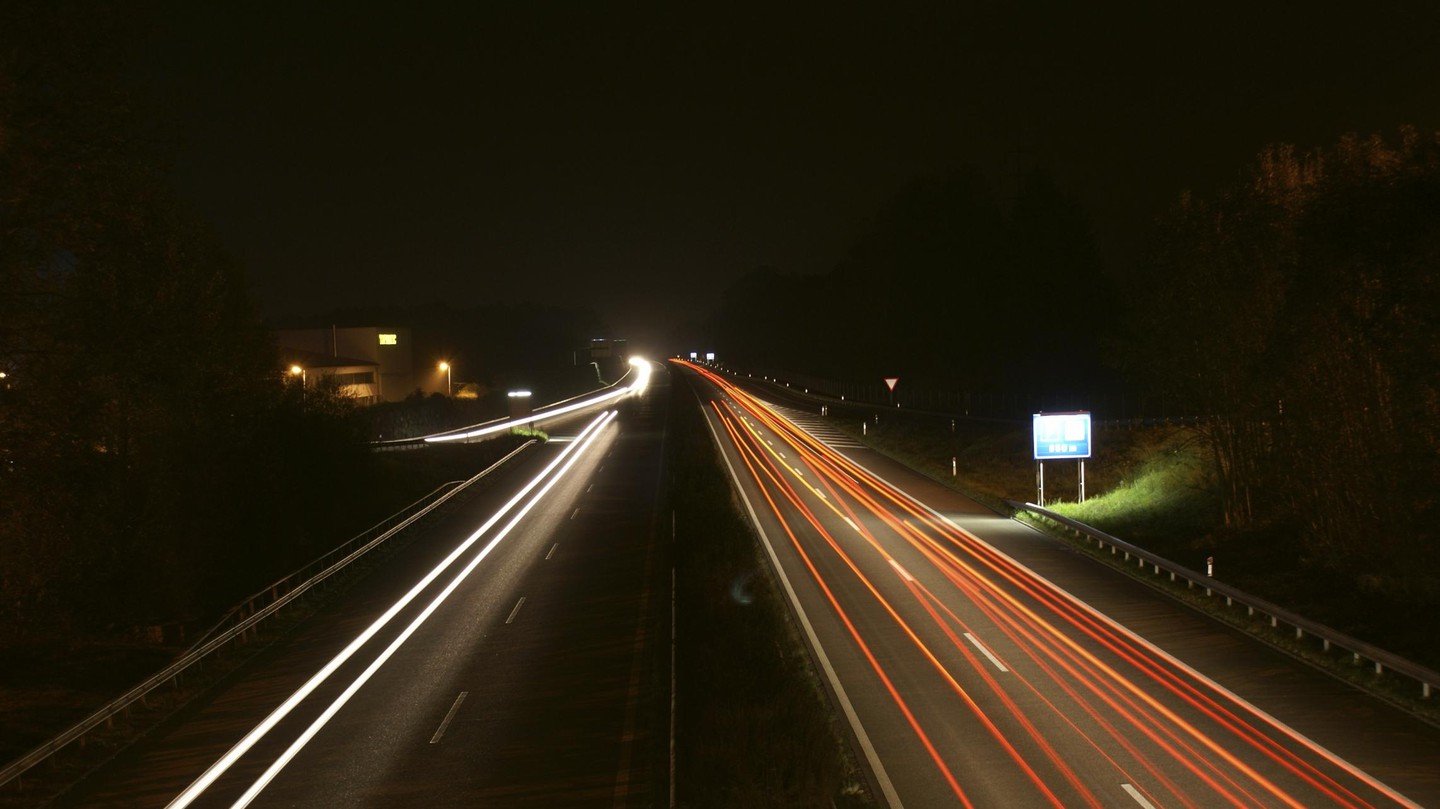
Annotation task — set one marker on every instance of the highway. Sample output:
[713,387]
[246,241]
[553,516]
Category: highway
[507,657]
[970,676]
[516,654]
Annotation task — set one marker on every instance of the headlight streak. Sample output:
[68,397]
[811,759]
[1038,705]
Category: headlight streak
[1114,689]
[334,708]
[188,796]
[642,379]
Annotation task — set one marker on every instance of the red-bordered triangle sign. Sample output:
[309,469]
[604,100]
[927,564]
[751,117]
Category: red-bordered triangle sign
[891,380]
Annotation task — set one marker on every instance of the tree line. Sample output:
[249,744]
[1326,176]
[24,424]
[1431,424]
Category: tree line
[1297,309]
[950,288]
[156,465]
[153,465]
[1293,312]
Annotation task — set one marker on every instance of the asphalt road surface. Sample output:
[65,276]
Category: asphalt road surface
[980,663]
[514,656]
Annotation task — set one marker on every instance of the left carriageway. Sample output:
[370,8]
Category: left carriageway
[498,660]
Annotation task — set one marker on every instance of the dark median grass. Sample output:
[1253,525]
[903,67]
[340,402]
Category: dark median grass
[754,725]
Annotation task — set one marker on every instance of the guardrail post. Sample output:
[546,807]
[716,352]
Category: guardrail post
[1425,691]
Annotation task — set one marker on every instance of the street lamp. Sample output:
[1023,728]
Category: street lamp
[445,366]
[296,370]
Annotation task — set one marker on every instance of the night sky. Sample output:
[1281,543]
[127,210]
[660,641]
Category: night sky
[637,158]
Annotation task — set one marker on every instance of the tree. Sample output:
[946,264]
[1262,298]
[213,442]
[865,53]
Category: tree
[1295,311]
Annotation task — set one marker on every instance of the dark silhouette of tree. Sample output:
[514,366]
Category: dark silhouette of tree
[945,289]
[1297,310]
[144,432]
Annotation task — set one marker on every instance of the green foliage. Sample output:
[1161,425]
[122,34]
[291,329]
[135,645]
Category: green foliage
[1158,488]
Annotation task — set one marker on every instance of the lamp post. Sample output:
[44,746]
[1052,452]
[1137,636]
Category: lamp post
[296,370]
[445,366]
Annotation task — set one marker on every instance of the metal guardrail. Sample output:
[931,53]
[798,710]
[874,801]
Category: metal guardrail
[243,619]
[1383,662]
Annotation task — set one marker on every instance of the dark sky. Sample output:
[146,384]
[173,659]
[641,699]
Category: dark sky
[637,158]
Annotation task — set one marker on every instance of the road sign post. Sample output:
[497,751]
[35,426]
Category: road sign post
[1059,436]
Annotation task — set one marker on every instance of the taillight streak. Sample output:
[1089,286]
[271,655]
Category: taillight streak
[1041,640]
[747,456]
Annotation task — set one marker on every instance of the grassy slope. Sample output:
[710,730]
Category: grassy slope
[1150,486]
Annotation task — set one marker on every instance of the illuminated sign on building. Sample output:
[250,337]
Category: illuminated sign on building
[388,340]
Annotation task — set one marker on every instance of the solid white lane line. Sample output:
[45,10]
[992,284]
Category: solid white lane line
[445,723]
[1140,799]
[516,611]
[978,645]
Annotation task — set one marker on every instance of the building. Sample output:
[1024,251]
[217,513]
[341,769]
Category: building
[373,363]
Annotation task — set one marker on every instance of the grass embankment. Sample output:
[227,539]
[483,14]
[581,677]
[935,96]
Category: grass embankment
[1151,487]
[754,725]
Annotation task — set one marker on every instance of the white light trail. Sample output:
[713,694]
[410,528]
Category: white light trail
[642,379]
[217,769]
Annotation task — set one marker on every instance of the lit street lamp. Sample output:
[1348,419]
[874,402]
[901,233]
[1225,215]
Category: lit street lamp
[445,366]
[296,370]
